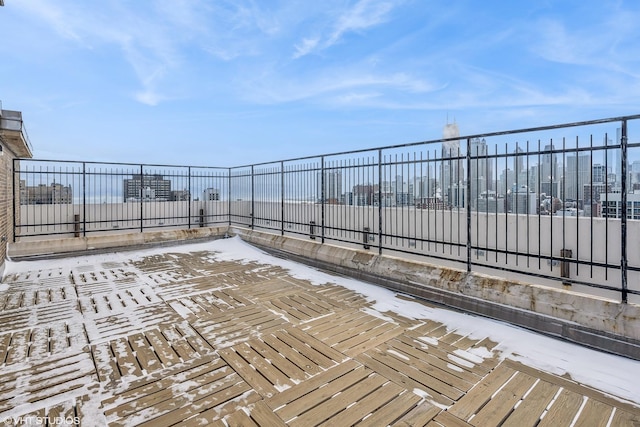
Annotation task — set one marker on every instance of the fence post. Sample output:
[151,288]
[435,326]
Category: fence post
[229,196]
[252,199]
[141,199]
[76,225]
[379,201]
[365,238]
[282,198]
[189,200]
[323,198]
[468,201]
[565,266]
[84,199]
[623,219]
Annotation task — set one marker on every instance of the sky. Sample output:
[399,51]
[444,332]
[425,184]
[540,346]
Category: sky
[228,83]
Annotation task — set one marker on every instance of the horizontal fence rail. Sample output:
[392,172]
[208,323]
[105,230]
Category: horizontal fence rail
[558,205]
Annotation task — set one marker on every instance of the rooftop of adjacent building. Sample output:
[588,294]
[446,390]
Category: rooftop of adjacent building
[219,330]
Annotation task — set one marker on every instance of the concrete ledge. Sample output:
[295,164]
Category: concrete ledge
[588,320]
[73,245]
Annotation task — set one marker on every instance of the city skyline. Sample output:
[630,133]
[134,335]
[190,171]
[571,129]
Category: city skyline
[242,82]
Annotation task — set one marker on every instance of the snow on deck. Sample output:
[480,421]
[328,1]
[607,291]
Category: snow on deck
[221,332]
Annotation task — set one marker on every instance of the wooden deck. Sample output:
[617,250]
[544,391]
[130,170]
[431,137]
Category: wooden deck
[184,339]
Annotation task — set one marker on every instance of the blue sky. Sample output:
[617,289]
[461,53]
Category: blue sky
[223,83]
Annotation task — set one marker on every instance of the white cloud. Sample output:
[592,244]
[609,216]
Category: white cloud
[361,16]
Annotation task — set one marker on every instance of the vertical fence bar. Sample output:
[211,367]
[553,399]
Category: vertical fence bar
[282,198]
[141,198]
[253,199]
[380,202]
[84,199]
[468,200]
[623,216]
[229,194]
[189,198]
[323,196]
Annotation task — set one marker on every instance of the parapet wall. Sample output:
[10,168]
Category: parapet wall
[596,322]
[75,245]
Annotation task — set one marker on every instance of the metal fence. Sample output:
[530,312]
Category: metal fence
[555,204]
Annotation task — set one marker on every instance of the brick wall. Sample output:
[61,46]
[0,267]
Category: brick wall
[6,207]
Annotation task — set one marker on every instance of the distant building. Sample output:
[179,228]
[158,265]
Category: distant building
[593,192]
[451,169]
[524,200]
[155,187]
[332,190]
[211,194]
[577,175]
[54,194]
[180,195]
[490,204]
[364,195]
[612,205]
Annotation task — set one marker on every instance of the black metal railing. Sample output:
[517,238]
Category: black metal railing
[556,203]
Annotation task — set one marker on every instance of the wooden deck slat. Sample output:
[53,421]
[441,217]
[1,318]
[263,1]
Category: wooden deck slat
[145,356]
[312,384]
[366,405]
[172,396]
[260,364]
[481,393]
[351,394]
[392,411]
[432,357]
[419,416]
[125,358]
[264,416]
[163,349]
[249,374]
[501,405]
[315,349]
[446,419]
[425,364]
[298,359]
[310,352]
[318,396]
[594,413]
[532,407]
[410,376]
[280,362]
[624,418]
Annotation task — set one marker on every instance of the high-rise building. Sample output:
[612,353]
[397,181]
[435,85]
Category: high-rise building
[332,191]
[549,166]
[148,187]
[451,169]
[600,173]
[481,171]
[578,173]
[523,200]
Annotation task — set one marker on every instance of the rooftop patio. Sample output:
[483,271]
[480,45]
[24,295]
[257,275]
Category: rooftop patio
[219,333]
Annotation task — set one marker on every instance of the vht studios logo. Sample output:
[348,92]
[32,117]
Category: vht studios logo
[41,421]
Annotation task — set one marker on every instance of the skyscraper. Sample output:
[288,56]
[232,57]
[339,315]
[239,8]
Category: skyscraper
[481,172]
[577,175]
[451,170]
[332,186]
